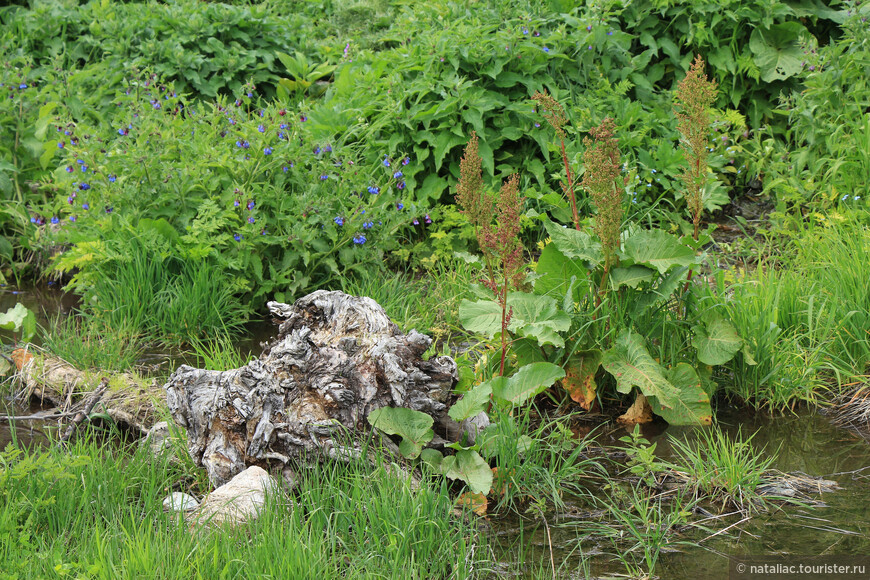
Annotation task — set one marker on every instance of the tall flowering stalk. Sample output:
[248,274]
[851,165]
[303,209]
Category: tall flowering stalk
[555,116]
[499,241]
[694,97]
[605,187]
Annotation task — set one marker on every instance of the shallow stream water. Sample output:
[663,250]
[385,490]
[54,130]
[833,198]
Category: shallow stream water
[808,443]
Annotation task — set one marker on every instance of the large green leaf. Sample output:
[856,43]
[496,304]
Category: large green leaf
[19,318]
[574,243]
[631,276]
[556,271]
[631,364]
[414,427]
[528,382]
[532,316]
[471,468]
[691,406]
[658,249]
[538,317]
[474,401]
[483,316]
[717,341]
[777,50]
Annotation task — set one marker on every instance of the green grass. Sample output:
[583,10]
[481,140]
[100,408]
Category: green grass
[641,526]
[536,464]
[428,302]
[96,512]
[806,322]
[166,298]
[723,469]
[219,353]
[85,343]
[837,261]
[780,365]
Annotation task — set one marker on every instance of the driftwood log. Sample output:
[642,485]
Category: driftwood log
[336,359]
[126,398]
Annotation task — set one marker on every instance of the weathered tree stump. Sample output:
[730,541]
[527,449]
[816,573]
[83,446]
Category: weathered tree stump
[336,359]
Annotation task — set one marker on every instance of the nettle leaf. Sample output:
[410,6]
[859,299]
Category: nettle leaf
[631,276]
[528,382]
[658,249]
[632,366]
[573,243]
[691,406]
[777,50]
[471,468]
[717,341]
[474,401]
[414,427]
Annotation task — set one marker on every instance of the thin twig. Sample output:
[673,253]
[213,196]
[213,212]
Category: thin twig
[722,531]
[549,543]
[37,417]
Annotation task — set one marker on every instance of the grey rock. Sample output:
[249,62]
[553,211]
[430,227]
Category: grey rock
[180,502]
[238,501]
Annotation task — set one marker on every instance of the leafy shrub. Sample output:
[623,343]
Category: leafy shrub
[752,47]
[204,47]
[244,190]
[824,160]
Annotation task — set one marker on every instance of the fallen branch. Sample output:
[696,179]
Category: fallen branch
[129,400]
[44,416]
[89,404]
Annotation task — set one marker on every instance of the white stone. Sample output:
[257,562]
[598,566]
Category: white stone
[180,502]
[239,500]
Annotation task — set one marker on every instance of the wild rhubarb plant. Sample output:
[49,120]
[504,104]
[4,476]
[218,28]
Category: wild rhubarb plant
[554,114]
[499,242]
[605,187]
[695,95]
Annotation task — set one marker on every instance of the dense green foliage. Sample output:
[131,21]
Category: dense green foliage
[181,163]
[177,164]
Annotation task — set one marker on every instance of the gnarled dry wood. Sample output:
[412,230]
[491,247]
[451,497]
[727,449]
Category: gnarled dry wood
[336,359]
